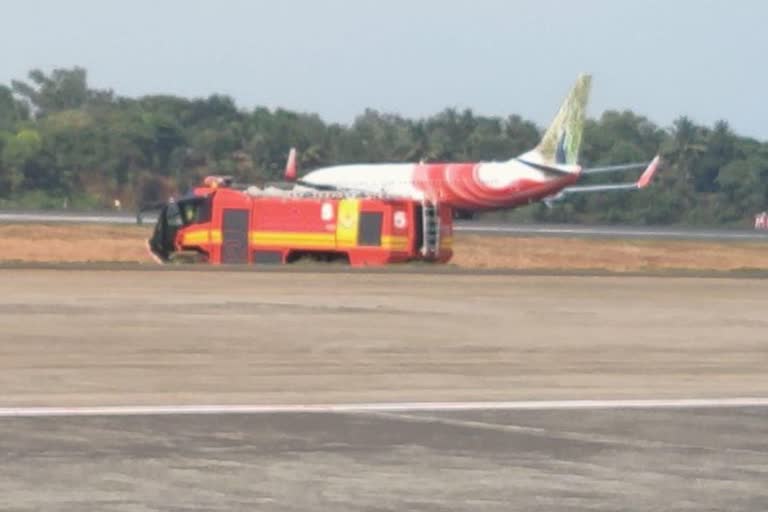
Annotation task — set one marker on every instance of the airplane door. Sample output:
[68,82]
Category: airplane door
[234,236]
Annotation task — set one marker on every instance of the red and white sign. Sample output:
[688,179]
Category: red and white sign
[761,221]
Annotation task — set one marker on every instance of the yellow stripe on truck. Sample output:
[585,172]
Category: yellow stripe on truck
[201,237]
[394,243]
[273,238]
[344,237]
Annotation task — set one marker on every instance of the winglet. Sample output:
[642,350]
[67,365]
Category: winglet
[650,171]
[290,166]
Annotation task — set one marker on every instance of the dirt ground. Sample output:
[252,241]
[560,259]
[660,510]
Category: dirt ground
[98,243]
[74,243]
[478,251]
[137,337]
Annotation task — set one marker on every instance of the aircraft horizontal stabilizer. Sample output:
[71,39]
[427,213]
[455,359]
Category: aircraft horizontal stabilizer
[642,182]
[615,168]
[623,167]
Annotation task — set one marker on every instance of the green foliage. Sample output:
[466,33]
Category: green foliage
[41,200]
[64,143]
[12,111]
[64,89]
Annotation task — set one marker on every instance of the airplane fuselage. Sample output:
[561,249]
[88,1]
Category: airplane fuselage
[463,186]
[547,171]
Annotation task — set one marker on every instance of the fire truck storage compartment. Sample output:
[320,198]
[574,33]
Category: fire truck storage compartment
[234,239]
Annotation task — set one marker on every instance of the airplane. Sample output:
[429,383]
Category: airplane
[546,173]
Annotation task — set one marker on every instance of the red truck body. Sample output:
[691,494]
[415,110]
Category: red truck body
[228,226]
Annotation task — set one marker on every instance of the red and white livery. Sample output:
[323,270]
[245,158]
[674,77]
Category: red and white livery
[547,172]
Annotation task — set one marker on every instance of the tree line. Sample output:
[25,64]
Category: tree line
[66,144]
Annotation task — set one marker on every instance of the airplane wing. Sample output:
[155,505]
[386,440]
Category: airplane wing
[323,188]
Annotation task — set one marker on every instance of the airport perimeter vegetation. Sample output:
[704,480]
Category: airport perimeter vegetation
[64,143]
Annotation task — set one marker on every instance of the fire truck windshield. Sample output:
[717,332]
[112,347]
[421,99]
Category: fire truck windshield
[188,211]
[193,211]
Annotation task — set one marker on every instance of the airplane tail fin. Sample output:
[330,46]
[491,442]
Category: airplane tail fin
[561,142]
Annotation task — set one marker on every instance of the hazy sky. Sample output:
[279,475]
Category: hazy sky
[662,58]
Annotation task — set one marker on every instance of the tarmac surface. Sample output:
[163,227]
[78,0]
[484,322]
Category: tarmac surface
[693,459]
[136,337]
[72,338]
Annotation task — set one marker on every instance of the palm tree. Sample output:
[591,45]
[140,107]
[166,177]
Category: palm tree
[686,147]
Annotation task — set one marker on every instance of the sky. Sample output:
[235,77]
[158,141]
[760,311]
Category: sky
[706,59]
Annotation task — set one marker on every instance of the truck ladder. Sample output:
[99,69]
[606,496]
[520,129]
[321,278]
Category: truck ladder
[431,226]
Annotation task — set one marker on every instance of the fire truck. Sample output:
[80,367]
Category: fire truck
[219,223]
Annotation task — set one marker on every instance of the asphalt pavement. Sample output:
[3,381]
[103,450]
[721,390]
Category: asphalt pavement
[647,459]
[84,339]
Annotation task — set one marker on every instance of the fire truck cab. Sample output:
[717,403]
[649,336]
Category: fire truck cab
[218,224]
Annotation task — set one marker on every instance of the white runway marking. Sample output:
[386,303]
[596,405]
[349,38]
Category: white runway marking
[522,405]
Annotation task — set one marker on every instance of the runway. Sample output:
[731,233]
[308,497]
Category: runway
[640,459]
[469,227]
[132,390]
[133,337]
[73,217]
